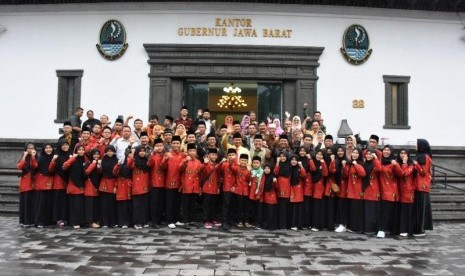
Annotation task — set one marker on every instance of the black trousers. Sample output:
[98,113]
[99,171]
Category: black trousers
[406,218]
[341,211]
[283,213]
[255,216]
[389,216]
[226,208]
[371,216]
[157,204]
[43,207]
[76,209]
[208,203]
[172,197]
[124,212]
[297,209]
[330,212]
[92,209]
[423,219]
[139,209]
[269,216]
[318,213]
[242,208]
[355,215]
[307,220]
[60,205]
[26,208]
[189,202]
[108,209]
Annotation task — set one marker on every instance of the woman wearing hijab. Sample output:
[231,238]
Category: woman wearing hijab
[298,176]
[336,168]
[43,184]
[91,196]
[107,187]
[60,180]
[282,171]
[75,189]
[304,158]
[123,191]
[296,123]
[278,130]
[269,198]
[228,121]
[390,170]
[245,124]
[27,164]
[406,191]
[140,187]
[329,193]
[355,173]
[371,192]
[319,172]
[422,205]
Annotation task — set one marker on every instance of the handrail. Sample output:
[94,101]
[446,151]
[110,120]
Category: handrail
[445,175]
[449,170]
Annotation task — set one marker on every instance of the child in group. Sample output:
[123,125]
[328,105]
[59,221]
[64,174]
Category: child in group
[191,168]
[43,185]
[268,187]
[27,164]
[319,172]
[297,181]
[229,180]
[210,187]
[406,191]
[241,190]
[60,180]
[75,189]
[338,161]
[123,190]
[254,192]
[140,187]
[107,188]
[91,195]
[370,191]
[157,179]
[282,171]
[304,157]
[355,173]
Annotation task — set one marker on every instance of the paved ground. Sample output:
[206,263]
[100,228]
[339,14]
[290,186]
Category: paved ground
[212,252]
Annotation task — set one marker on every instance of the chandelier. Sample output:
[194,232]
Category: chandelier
[232,99]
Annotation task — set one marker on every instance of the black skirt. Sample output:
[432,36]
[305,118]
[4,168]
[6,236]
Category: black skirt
[307,216]
[371,216]
[124,212]
[157,204]
[139,209]
[406,218]
[26,208]
[108,209]
[76,209]
[269,216]
[92,209]
[330,212]
[60,205]
[318,213]
[283,213]
[43,207]
[389,217]
[297,209]
[341,214]
[355,215]
[423,219]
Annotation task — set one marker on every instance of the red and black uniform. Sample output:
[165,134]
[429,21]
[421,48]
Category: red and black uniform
[157,190]
[75,189]
[123,191]
[319,172]
[43,185]
[172,184]
[422,204]
[355,175]
[107,189]
[269,200]
[241,191]
[283,174]
[91,194]
[407,193]
[60,181]
[229,180]
[140,188]
[210,189]
[26,189]
[297,181]
[191,171]
[371,195]
[336,172]
[308,192]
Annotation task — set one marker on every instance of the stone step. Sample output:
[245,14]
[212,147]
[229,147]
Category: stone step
[9,198]
[9,209]
[448,198]
[448,216]
[447,207]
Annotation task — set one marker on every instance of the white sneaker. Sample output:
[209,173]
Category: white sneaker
[171,225]
[340,229]
[403,234]
[124,227]
[314,229]
[137,226]
[294,228]
[380,234]
[419,235]
[179,223]
[76,226]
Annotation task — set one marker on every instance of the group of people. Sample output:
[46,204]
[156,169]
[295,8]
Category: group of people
[244,174]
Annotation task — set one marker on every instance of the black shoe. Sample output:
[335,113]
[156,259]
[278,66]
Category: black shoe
[185,226]
[155,226]
[225,227]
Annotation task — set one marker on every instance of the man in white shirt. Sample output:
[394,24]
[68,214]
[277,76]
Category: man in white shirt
[124,143]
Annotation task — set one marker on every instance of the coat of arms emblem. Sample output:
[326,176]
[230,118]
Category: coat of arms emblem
[112,40]
[356,44]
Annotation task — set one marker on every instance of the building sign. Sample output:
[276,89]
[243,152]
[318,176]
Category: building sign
[112,40]
[234,27]
[355,45]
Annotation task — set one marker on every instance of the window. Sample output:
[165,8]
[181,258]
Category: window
[396,102]
[69,93]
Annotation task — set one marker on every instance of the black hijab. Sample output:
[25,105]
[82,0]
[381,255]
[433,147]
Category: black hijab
[316,176]
[44,160]
[368,166]
[141,162]
[285,167]
[399,159]
[77,172]
[94,176]
[27,167]
[295,172]
[124,172]
[304,159]
[63,156]
[338,160]
[109,163]
[268,179]
[387,160]
[423,149]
